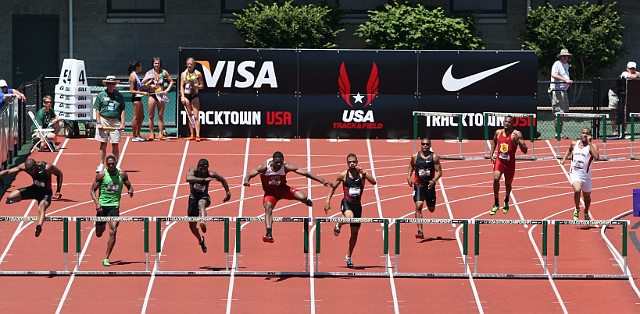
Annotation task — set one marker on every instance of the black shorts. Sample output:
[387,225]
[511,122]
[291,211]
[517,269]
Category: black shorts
[136,97]
[34,192]
[356,208]
[190,97]
[421,193]
[193,210]
[107,211]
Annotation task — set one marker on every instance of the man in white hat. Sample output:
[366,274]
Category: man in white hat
[110,118]
[560,82]
[6,93]
[614,101]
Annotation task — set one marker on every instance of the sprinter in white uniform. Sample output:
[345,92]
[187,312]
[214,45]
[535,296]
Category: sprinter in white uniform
[584,153]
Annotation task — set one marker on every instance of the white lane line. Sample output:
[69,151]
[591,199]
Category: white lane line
[234,264]
[388,266]
[164,235]
[312,287]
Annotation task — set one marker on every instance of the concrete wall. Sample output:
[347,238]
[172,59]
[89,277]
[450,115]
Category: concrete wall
[108,47]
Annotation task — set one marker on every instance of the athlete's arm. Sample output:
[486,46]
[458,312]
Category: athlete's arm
[304,172]
[168,77]
[366,175]
[262,168]
[95,187]
[520,141]
[494,143]
[200,82]
[568,152]
[222,181]
[52,169]
[438,169]
[11,171]
[594,150]
[127,183]
[191,176]
[411,164]
[332,189]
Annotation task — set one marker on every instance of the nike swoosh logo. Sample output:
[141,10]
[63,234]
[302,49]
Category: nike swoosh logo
[452,84]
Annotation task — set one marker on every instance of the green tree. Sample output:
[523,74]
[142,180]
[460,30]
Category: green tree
[285,25]
[403,25]
[591,32]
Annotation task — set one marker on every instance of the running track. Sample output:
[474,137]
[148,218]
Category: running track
[157,171]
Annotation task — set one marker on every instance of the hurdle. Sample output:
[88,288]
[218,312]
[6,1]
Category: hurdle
[385,236]
[159,221]
[531,118]
[65,248]
[556,250]
[417,114]
[465,242]
[79,221]
[603,117]
[633,116]
[304,220]
[543,275]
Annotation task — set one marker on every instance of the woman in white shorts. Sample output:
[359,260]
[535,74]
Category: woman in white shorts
[583,154]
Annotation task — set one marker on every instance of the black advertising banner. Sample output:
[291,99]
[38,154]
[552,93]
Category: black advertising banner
[633,98]
[356,93]
[473,82]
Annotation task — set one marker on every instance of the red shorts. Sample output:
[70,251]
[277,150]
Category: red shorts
[283,193]
[508,169]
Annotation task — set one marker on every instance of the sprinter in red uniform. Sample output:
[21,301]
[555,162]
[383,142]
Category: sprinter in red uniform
[273,174]
[507,140]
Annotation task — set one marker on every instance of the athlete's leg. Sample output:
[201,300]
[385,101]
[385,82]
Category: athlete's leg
[193,226]
[113,225]
[587,202]
[418,213]
[161,106]
[577,189]
[268,219]
[196,113]
[151,104]
[202,209]
[189,110]
[15,196]
[42,208]
[496,186]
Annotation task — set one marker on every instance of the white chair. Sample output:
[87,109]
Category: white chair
[42,134]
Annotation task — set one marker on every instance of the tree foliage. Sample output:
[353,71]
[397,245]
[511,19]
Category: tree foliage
[285,25]
[591,32]
[403,25]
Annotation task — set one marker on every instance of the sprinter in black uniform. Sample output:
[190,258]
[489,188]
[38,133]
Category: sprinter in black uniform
[425,165]
[352,181]
[199,178]
[40,190]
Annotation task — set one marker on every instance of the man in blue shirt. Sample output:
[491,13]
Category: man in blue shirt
[6,93]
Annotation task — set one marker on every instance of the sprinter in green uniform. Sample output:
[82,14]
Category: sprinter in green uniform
[109,182]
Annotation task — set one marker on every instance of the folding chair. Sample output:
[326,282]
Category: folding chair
[42,134]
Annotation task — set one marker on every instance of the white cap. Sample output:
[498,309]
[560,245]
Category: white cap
[630,65]
[3,83]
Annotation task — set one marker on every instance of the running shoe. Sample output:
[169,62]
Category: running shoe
[494,210]
[576,213]
[336,231]
[152,137]
[267,238]
[161,137]
[348,260]
[190,138]
[8,201]
[203,227]
[308,202]
[192,122]
[587,217]
[105,262]
[38,230]
[100,168]
[202,245]
[505,208]
[419,235]
[198,139]
[138,139]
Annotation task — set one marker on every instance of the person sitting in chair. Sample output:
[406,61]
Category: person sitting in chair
[46,119]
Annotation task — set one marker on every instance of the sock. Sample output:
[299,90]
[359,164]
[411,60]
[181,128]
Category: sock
[268,231]
[201,239]
[495,200]
[506,200]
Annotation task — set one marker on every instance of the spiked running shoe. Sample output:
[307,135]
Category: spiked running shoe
[336,231]
[202,245]
[267,238]
[203,227]
[576,214]
[348,260]
[494,210]
[505,208]
[38,230]
[419,235]
[308,202]
[105,262]
[587,217]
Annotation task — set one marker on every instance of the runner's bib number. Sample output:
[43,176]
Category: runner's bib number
[274,181]
[424,173]
[113,187]
[354,191]
[38,183]
[199,187]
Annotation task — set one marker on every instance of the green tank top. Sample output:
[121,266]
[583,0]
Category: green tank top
[110,189]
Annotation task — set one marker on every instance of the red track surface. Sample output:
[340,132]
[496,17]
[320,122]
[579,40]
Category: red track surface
[541,191]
